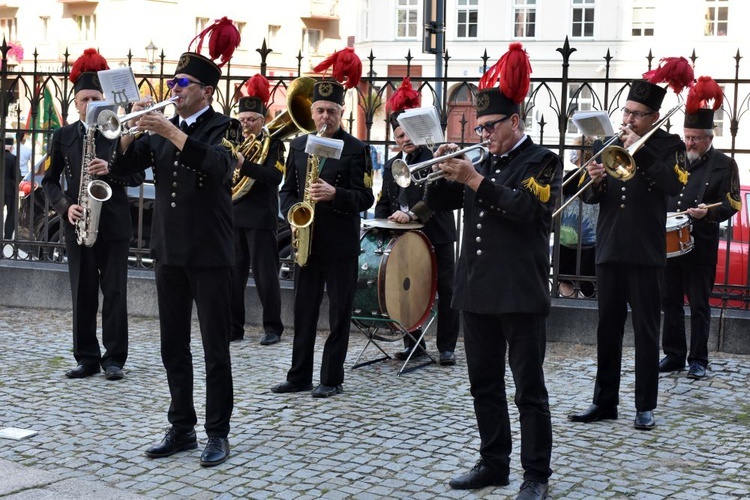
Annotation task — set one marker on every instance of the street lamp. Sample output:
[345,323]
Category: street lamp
[151,54]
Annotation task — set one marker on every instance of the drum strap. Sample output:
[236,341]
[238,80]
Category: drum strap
[704,181]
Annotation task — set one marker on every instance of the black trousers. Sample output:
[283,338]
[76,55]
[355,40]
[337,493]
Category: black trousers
[339,279]
[10,201]
[105,266]
[447,318]
[486,338]
[256,249]
[177,288]
[619,285]
[685,277]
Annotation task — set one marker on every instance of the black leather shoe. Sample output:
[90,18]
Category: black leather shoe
[644,420]
[697,371]
[326,391]
[113,373]
[479,476]
[402,355]
[668,364]
[531,490]
[447,358]
[173,442]
[285,387]
[269,338]
[216,452]
[83,371]
[594,413]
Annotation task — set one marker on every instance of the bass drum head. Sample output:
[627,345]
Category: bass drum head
[408,281]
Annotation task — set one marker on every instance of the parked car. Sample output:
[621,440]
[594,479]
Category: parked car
[733,255]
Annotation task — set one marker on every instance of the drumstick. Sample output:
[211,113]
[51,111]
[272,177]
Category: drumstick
[712,205]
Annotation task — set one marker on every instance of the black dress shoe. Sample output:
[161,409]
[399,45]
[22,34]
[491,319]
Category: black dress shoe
[594,413]
[216,452]
[83,371]
[270,338]
[697,371]
[402,355]
[173,442]
[644,420]
[669,364]
[113,372]
[531,490]
[479,476]
[287,386]
[447,358]
[326,391]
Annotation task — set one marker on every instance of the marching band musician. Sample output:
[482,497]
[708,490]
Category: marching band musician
[105,264]
[407,205]
[342,191]
[255,220]
[192,240]
[713,178]
[502,278]
[631,243]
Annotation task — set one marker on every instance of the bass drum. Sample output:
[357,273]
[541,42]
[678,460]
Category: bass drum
[397,278]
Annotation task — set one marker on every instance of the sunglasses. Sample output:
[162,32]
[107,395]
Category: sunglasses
[182,82]
[489,127]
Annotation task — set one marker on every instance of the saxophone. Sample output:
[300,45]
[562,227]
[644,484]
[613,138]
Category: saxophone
[302,213]
[91,194]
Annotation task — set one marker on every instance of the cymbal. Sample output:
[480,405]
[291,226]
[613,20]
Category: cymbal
[389,224]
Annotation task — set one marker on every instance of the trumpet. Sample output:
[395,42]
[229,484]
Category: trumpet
[110,125]
[420,173]
[618,161]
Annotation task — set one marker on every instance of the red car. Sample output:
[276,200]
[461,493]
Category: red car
[731,288]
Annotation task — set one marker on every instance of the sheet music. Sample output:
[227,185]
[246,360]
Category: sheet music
[593,123]
[119,86]
[324,147]
[94,108]
[422,125]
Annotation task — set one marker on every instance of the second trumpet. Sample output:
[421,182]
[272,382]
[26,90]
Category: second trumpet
[420,173]
[110,125]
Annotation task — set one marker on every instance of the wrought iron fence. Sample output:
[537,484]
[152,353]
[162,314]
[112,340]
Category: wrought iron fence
[48,96]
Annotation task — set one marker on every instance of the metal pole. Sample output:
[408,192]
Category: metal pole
[439,49]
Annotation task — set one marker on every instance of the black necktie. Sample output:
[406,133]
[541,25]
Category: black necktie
[184,126]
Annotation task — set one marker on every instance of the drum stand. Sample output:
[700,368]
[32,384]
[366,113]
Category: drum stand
[390,330]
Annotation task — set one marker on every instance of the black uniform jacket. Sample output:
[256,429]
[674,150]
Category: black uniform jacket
[259,208]
[336,224]
[12,174]
[192,220]
[713,178]
[633,214]
[66,157]
[440,227]
[504,263]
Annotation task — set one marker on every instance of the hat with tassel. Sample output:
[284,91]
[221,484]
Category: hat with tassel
[513,72]
[257,95]
[346,71]
[83,74]
[703,99]
[225,38]
[405,97]
[674,71]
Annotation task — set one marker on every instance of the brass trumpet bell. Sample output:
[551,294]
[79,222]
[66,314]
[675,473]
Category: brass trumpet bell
[618,162]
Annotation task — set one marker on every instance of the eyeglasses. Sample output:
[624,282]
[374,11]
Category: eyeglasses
[182,82]
[249,119]
[638,115]
[695,138]
[489,127]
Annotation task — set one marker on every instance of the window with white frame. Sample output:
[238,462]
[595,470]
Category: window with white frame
[467,18]
[311,39]
[644,15]
[44,33]
[406,18]
[8,27]
[717,18]
[86,26]
[365,19]
[720,118]
[240,27]
[273,34]
[583,18]
[579,100]
[524,18]
[201,23]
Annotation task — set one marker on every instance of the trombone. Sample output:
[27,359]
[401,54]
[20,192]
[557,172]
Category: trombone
[110,125]
[618,161]
[420,173]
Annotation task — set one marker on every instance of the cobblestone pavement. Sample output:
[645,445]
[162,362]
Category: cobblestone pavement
[387,436]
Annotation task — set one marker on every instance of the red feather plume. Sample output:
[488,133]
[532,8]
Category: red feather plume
[257,86]
[705,90]
[90,60]
[405,97]
[225,38]
[345,65]
[675,71]
[513,70]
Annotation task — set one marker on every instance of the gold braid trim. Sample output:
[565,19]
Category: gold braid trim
[541,192]
[230,146]
[280,167]
[682,175]
[736,204]
[368,179]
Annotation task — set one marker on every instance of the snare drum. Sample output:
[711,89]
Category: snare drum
[397,278]
[679,239]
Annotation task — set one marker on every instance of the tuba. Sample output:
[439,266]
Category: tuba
[296,118]
[91,194]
